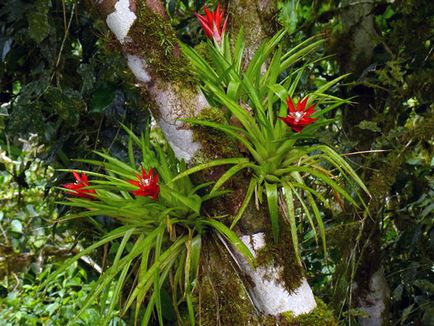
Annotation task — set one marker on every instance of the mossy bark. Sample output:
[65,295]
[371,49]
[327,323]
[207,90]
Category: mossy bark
[221,296]
[320,316]
[257,18]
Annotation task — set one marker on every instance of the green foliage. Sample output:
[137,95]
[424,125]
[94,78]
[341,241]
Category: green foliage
[411,273]
[393,84]
[24,213]
[160,240]
[29,246]
[60,81]
[281,162]
[27,305]
[38,21]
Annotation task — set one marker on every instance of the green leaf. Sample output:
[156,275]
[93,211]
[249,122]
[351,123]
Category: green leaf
[239,50]
[164,262]
[323,177]
[261,55]
[37,18]
[16,226]
[241,114]
[230,173]
[51,308]
[289,199]
[289,15]
[196,246]
[167,306]
[67,103]
[280,91]
[203,67]
[116,233]
[316,211]
[208,165]
[293,56]
[193,202]
[232,238]
[306,212]
[425,286]
[271,193]
[232,89]
[118,166]
[368,125]
[246,201]
[325,87]
[102,98]
[341,162]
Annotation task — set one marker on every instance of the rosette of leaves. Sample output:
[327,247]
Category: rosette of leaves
[160,239]
[282,163]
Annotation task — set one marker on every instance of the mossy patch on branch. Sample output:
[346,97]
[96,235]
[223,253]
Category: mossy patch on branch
[282,254]
[154,39]
[215,143]
[220,295]
[320,316]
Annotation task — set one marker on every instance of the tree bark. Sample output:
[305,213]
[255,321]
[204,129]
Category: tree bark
[370,289]
[150,47]
[257,18]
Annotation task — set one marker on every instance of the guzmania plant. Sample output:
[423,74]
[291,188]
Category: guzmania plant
[257,95]
[161,218]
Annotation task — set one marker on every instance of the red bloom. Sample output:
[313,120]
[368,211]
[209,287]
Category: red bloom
[298,117]
[147,183]
[211,23]
[77,188]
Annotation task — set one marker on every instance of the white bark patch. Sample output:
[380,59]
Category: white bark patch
[269,293]
[373,303]
[121,20]
[181,140]
[171,108]
[201,103]
[173,104]
[138,67]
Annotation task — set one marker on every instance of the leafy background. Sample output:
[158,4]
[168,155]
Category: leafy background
[65,89]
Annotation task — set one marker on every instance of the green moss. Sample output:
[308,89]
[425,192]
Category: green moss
[320,316]
[203,50]
[212,114]
[155,40]
[221,297]
[215,143]
[282,254]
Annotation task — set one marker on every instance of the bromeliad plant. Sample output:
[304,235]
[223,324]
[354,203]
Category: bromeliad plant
[159,217]
[258,95]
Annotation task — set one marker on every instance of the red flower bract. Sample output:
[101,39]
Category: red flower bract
[147,183]
[298,117]
[211,23]
[77,188]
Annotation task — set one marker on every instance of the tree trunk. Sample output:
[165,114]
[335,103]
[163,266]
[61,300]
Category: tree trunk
[370,289]
[228,285]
